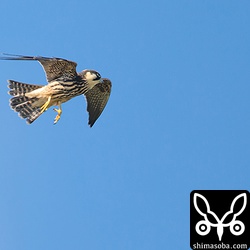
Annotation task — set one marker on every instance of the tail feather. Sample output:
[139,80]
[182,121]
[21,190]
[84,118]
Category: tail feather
[22,104]
[19,88]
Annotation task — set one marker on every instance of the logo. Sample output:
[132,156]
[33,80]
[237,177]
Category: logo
[220,219]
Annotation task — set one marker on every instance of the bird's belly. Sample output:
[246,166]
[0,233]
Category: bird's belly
[59,92]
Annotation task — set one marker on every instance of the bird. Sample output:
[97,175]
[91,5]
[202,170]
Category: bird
[64,83]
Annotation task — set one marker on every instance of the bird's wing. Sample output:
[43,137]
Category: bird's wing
[54,67]
[97,99]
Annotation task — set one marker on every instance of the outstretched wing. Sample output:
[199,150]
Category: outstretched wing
[97,99]
[54,67]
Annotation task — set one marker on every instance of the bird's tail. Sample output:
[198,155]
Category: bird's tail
[23,104]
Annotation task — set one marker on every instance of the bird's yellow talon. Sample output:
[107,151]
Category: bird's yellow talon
[45,105]
[59,112]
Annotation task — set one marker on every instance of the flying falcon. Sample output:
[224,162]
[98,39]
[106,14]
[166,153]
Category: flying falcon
[64,83]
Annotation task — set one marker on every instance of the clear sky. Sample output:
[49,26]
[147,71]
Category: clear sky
[178,119]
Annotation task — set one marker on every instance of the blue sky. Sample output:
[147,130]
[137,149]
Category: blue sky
[178,119]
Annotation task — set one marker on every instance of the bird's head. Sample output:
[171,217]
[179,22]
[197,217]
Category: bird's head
[91,76]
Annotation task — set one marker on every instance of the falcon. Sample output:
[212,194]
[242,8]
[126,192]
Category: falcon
[64,83]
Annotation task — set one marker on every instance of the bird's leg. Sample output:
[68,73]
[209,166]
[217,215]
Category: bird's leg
[45,105]
[59,112]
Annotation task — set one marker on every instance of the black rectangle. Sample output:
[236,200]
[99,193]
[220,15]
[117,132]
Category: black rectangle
[219,219]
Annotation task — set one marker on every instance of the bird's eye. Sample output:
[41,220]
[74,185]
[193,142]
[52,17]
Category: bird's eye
[98,76]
